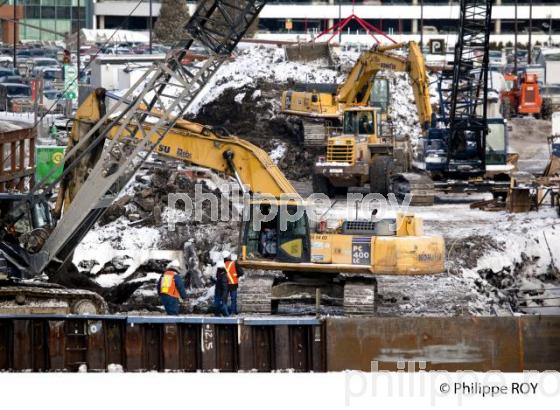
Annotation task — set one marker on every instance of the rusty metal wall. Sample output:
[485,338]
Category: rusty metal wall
[188,344]
[508,344]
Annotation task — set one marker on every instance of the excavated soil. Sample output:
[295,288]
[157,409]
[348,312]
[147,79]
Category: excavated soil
[252,113]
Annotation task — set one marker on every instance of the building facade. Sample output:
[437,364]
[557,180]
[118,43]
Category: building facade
[53,19]
[395,17]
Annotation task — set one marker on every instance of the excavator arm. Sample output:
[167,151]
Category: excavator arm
[357,87]
[187,141]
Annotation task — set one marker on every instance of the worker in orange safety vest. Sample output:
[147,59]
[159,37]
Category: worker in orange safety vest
[233,272]
[171,288]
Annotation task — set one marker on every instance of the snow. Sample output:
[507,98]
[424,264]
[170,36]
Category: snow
[239,98]
[266,63]
[278,153]
[115,368]
[118,236]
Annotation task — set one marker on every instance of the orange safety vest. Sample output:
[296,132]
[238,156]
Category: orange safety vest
[231,272]
[167,286]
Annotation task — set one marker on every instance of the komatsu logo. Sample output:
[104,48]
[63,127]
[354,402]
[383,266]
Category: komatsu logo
[429,257]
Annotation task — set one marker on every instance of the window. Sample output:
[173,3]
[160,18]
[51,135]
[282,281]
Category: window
[365,123]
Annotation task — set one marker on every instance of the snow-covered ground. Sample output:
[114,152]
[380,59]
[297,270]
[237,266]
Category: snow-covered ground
[492,257]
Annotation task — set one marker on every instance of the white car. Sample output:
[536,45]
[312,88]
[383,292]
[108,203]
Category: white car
[44,62]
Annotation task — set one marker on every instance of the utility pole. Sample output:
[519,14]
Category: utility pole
[550,30]
[515,42]
[150,28]
[530,45]
[15,35]
[339,20]
[421,24]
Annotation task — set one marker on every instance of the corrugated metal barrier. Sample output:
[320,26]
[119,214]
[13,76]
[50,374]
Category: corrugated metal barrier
[146,343]
[190,344]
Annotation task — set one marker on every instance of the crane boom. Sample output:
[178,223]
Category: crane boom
[168,87]
[468,123]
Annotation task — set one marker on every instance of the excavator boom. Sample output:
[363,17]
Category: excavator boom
[356,89]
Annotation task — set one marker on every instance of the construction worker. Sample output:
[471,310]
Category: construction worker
[220,290]
[171,288]
[233,272]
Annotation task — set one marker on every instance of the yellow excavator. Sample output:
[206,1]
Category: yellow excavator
[341,261]
[362,88]
[361,152]
[113,135]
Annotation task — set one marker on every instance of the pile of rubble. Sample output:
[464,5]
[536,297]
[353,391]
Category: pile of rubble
[123,256]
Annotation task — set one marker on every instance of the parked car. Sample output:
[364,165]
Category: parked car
[44,62]
[6,71]
[13,79]
[11,93]
[430,30]
[6,61]
[52,99]
[497,58]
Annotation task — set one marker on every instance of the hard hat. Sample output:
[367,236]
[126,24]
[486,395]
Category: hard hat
[220,264]
[174,265]
[226,254]
[233,257]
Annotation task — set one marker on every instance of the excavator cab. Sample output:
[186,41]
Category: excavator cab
[25,221]
[276,231]
[364,123]
[20,214]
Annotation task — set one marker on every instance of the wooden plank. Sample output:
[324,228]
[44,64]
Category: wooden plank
[96,352]
[22,345]
[282,351]
[170,347]
[114,342]
[56,344]
[6,334]
[208,344]
[246,357]
[190,350]
[21,165]
[133,343]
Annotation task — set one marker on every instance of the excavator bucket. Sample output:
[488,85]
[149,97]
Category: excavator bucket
[309,52]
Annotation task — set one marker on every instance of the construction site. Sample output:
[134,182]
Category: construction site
[382,204]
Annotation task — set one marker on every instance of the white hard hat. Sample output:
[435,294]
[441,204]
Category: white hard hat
[226,254]
[174,265]
[220,264]
[233,257]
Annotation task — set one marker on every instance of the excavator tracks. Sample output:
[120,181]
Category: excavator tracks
[297,295]
[420,188]
[39,298]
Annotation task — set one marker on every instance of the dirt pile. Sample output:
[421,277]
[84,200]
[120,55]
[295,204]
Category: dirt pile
[124,255]
[253,113]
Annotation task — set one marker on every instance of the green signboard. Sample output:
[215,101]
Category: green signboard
[48,157]
[70,83]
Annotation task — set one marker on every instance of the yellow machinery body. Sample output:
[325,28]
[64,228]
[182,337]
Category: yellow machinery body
[403,251]
[356,89]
